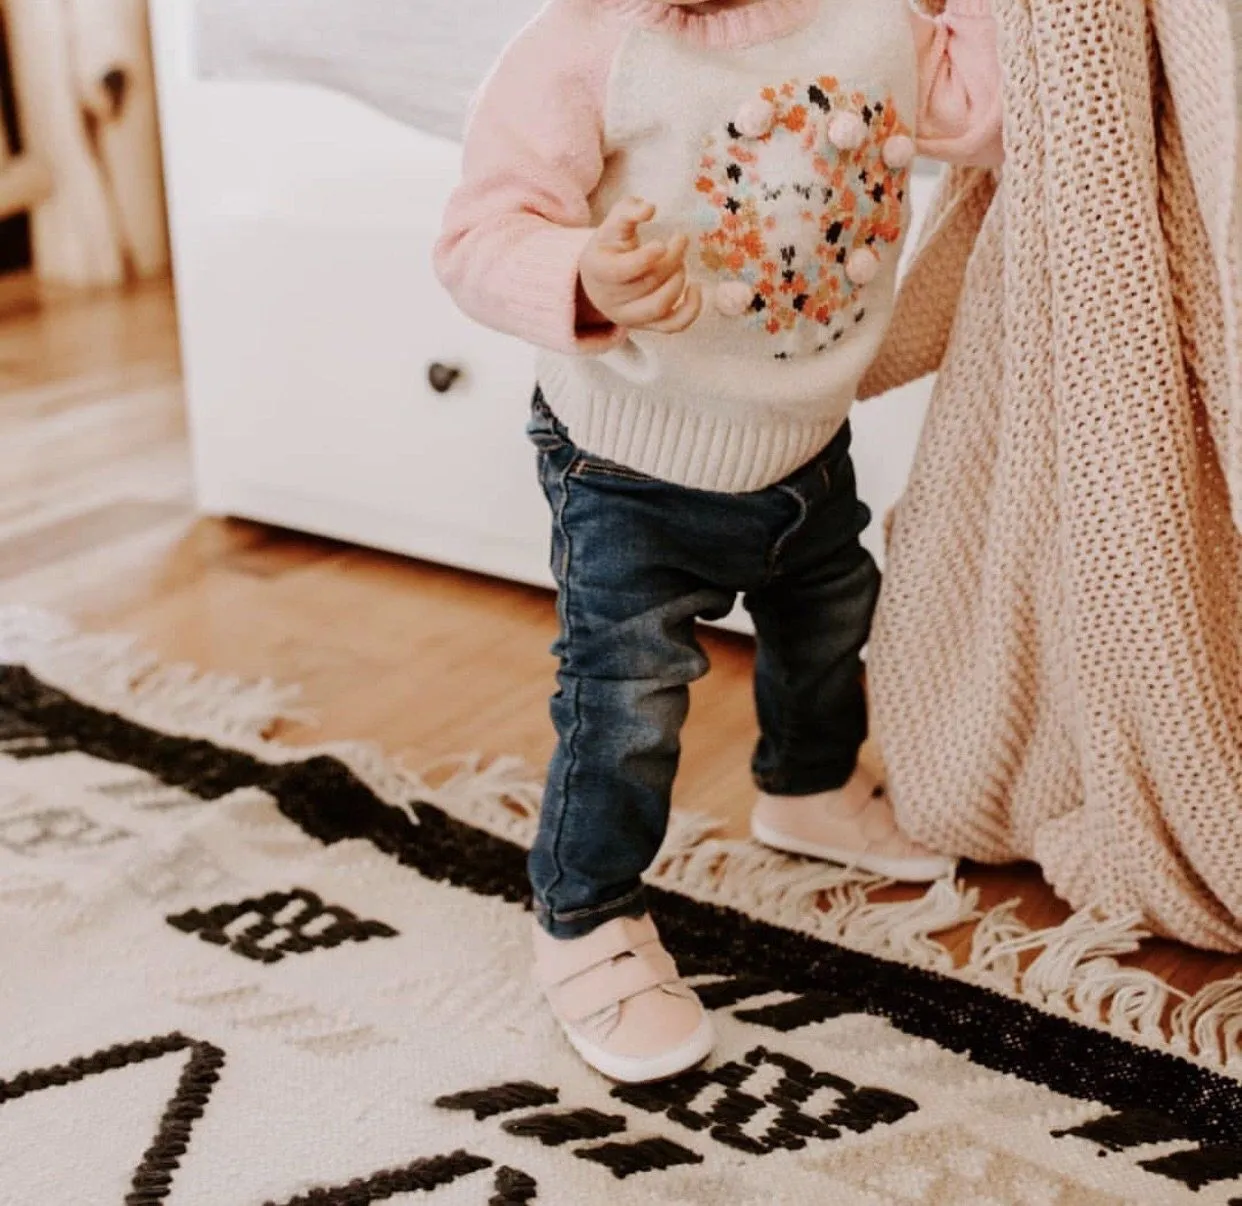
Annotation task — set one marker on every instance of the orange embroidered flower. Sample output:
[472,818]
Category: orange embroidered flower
[795,120]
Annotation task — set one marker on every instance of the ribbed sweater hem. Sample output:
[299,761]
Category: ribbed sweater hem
[683,443]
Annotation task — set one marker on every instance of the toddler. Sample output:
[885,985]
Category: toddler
[696,210]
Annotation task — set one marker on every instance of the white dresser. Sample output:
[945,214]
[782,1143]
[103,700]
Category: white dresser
[315,334]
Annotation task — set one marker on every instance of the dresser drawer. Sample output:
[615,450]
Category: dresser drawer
[312,378]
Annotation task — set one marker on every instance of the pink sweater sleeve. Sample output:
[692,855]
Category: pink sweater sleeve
[960,113]
[517,224]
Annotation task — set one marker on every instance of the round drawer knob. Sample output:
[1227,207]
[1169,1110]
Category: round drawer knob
[442,377]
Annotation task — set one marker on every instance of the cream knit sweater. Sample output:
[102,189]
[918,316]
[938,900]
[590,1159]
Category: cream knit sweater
[1056,664]
[778,136]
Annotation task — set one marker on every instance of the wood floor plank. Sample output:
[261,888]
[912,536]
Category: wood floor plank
[65,539]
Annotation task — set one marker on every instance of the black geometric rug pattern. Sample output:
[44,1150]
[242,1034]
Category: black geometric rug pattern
[1167,1126]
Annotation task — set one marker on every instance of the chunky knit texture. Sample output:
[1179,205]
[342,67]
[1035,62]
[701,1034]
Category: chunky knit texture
[1056,663]
[778,136]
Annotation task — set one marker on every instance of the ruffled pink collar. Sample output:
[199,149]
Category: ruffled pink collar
[727,29]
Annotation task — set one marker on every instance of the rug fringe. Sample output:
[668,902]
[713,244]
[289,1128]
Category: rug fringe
[114,673]
[105,670]
[1072,970]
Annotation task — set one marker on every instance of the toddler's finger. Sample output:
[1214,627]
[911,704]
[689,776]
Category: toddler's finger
[682,318]
[654,307]
[678,245]
[669,264]
[624,268]
[620,227]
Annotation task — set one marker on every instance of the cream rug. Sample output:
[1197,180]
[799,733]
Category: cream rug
[235,974]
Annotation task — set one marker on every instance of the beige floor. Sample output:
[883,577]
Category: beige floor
[97,521]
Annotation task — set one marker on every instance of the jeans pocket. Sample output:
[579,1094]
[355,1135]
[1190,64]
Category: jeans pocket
[596,467]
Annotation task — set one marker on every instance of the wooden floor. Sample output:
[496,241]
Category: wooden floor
[97,521]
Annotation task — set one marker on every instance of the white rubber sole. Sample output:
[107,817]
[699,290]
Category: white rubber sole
[903,870]
[628,1070]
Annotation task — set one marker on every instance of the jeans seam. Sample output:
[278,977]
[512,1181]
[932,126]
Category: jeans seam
[779,545]
[571,745]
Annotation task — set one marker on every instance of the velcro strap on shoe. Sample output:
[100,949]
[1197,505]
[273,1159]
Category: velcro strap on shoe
[609,941]
[562,961]
[613,983]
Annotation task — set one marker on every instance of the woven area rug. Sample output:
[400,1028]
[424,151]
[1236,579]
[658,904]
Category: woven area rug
[236,974]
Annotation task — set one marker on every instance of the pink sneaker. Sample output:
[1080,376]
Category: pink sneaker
[621,1003]
[854,826]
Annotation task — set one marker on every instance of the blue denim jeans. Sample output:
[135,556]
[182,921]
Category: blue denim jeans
[638,561]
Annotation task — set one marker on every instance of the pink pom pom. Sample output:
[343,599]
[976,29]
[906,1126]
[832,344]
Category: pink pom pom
[862,266]
[756,118]
[733,298]
[899,152]
[847,131]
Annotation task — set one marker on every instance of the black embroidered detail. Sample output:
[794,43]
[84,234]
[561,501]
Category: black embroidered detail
[153,1178]
[734,172]
[1117,1132]
[819,98]
[329,803]
[1200,1167]
[20,739]
[421,1176]
[645,1156]
[808,1010]
[734,132]
[789,256]
[514,1188]
[758,304]
[725,1101]
[732,991]
[1195,1168]
[500,1099]
[784,1016]
[799,302]
[555,1130]
[733,205]
[279,924]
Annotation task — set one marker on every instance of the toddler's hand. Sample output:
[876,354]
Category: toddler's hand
[639,286]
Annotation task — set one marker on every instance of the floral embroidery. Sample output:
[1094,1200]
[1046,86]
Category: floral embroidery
[800,197]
